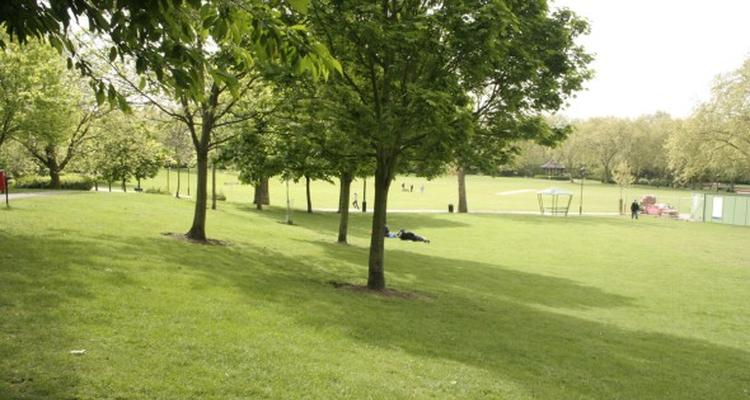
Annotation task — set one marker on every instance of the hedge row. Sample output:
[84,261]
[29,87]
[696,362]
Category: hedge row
[67,182]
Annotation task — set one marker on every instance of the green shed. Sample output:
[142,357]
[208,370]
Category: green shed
[721,208]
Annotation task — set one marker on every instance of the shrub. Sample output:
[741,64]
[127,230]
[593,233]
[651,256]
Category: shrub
[31,182]
[67,182]
[221,197]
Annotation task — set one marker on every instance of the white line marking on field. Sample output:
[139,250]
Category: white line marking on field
[512,192]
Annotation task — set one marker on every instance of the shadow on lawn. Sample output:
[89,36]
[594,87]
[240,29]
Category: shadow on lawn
[485,316]
[359,224]
[482,315]
[36,288]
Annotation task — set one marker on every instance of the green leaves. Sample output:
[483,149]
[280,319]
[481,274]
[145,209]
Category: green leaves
[300,6]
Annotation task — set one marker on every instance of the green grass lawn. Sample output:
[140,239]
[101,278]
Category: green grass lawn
[484,193]
[511,307]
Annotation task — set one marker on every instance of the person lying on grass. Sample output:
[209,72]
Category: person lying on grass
[406,235]
[388,233]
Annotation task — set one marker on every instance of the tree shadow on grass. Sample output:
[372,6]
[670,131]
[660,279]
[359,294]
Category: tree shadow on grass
[36,290]
[487,317]
[444,275]
[45,298]
[360,224]
[481,315]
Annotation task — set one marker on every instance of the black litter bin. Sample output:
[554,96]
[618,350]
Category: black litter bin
[450,208]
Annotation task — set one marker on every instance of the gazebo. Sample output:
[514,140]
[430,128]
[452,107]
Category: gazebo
[553,168]
[554,201]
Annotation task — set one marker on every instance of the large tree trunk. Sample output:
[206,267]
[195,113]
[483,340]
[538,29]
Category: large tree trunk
[177,193]
[50,153]
[257,196]
[346,183]
[462,204]
[261,196]
[54,177]
[265,194]
[201,144]
[307,191]
[376,272]
[198,230]
[606,174]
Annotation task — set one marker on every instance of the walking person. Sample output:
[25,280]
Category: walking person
[355,203]
[634,209]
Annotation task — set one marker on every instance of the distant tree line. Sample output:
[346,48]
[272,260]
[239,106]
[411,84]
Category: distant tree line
[711,148]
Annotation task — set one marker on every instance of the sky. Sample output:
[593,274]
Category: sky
[657,55]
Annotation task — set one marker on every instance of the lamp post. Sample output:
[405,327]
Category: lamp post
[580,200]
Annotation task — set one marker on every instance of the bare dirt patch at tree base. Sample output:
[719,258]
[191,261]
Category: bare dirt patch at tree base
[184,238]
[383,292]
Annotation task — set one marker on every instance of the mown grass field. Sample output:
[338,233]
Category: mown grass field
[501,307]
[484,193]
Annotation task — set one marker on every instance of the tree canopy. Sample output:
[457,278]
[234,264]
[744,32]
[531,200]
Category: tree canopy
[418,68]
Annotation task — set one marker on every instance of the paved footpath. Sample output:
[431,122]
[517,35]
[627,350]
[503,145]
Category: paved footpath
[535,213]
[433,211]
[25,195]
[16,196]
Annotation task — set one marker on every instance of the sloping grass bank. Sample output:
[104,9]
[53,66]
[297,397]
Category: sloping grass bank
[503,307]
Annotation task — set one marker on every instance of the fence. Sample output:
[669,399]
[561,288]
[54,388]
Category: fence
[721,208]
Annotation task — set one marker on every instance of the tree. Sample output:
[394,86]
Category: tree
[195,50]
[347,154]
[571,153]
[252,152]
[606,139]
[408,63]
[19,71]
[126,149]
[623,176]
[646,154]
[161,35]
[58,114]
[318,140]
[526,67]
[253,145]
[176,139]
[716,143]
[301,128]
[16,161]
